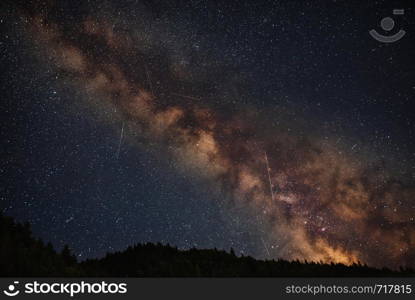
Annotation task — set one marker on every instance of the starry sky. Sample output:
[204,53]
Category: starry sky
[281,129]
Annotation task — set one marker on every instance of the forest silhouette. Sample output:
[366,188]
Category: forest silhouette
[23,255]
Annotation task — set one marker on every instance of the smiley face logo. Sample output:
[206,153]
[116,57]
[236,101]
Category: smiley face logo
[11,290]
[387,24]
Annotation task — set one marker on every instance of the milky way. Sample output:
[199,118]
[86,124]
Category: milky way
[310,196]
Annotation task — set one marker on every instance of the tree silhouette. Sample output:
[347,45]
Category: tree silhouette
[23,255]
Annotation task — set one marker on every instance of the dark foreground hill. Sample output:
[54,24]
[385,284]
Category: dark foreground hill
[22,255]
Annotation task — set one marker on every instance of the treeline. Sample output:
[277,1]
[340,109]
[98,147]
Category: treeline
[156,260]
[23,255]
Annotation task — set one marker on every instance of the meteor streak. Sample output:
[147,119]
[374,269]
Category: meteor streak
[120,142]
[149,79]
[186,96]
[269,177]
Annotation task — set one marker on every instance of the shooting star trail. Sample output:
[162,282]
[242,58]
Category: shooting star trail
[149,79]
[186,96]
[119,144]
[269,177]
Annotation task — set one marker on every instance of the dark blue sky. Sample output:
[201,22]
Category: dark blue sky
[304,67]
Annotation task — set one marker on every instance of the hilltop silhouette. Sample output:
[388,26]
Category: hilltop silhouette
[23,255]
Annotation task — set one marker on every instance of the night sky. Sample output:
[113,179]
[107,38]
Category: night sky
[281,129]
